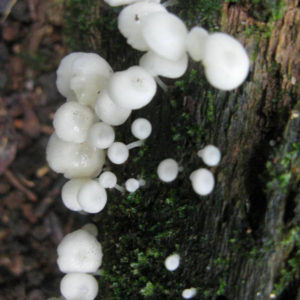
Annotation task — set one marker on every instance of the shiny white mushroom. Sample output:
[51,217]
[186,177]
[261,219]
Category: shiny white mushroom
[195,42]
[172,262]
[141,128]
[203,181]
[211,155]
[167,170]
[101,135]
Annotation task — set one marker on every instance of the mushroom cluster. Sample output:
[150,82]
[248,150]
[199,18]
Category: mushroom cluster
[98,100]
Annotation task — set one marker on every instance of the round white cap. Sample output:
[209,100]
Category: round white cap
[79,251]
[165,34]
[118,153]
[141,128]
[195,42]
[69,193]
[92,197]
[109,112]
[133,88]
[72,122]
[211,155]
[72,159]
[167,170]
[225,60]
[160,66]
[172,262]
[132,185]
[101,135]
[130,20]
[189,293]
[203,181]
[107,180]
[79,286]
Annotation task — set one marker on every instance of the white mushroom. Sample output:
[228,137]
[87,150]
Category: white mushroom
[79,286]
[167,170]
[130,20]
[141,128]
[118,153]
[189,293]
[108,180]
[79,251]
[132,89]
[92,197]
[109,112]
[203,181]
[83,75]
[133,184]
[160,66]
[172,262]
[69,193]
[101,135]
[72,122]
[195,42]
[225,60]
[165,34]
[72,159]
[211,155]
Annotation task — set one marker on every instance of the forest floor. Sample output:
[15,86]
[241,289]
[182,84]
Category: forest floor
[30,211]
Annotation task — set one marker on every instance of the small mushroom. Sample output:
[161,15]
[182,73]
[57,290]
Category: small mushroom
[141,128]
[109,112]
[165,34]
[108,180]
[167,170]
[195,42]
[211,155]
[172,262]
[133,88]
[189,293]
[79,251]
[133,184]
[79,286]
[101,135]
[203,181]
[72,122]
[92,197]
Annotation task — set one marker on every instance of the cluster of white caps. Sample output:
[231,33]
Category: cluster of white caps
[99,99]
[80,256]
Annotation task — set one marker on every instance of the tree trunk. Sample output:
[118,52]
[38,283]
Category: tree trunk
[242,241]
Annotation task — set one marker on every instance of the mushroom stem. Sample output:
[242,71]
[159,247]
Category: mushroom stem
[161,84]
[119,188]
[135,144]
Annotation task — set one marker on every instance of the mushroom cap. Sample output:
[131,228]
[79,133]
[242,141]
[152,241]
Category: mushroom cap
[195,42]
[130,20]
[225,60]
[211,155]
[69,193]
[92,197]
[81,75]
[74,160]
[160,66]
[165,34]
[79,251]
[132,89]
[141,128]
[79,286]
[172,262]
[91,229]
[64,73]
[118,153]
[124,2]
[167,170]
[101,135]
[203,181]
[90,74]
[132,185]
[72,122]
[109,112]
[189,293]
[107,180]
